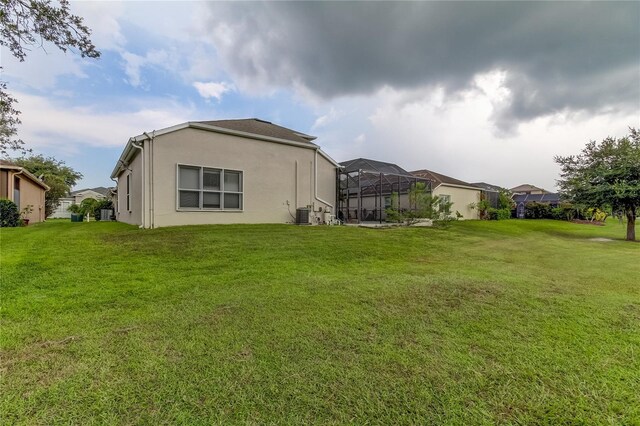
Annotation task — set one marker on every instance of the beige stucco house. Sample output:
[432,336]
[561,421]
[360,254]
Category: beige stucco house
[76,197]
[225,171]
[461,194]
[24,189]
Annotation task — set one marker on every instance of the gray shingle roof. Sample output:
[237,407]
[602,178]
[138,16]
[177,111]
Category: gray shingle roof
[440,178]
[99,189]
[373,166]
[262,128]
[487,186]
[549,197]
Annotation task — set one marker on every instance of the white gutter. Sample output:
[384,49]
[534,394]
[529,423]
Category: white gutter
[454,185]
[329,159]
[140,147]
[315,163]
[22,171]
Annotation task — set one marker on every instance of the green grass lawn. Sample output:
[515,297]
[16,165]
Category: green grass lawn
[485,322]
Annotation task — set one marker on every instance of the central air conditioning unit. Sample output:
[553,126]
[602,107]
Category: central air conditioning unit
[302,216]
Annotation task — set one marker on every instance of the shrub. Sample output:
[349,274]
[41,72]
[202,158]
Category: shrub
[498,214]
[535,210]
[102,204]
[565,211]
[504,214]
[74,208]
[87,206]
[491,214]
[9,215]
[505,202]
[484,208]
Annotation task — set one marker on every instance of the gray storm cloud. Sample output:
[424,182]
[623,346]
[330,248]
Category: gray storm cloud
[571,56]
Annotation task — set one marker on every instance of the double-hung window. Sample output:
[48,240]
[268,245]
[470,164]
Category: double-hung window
[206,188]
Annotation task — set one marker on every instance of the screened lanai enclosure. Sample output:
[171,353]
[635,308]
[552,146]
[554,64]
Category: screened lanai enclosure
[365,189]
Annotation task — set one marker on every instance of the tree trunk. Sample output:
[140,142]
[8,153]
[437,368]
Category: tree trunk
[631,223]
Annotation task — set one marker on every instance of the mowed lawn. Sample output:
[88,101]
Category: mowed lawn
[485,322]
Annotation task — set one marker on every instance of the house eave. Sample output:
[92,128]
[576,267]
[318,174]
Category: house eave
[27,173]
[459,186]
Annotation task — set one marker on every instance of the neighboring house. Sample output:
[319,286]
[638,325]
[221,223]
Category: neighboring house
[365,189]
[528,189]
[225,171]
[461,194]
[521,201]
[98,193]
[76,197]
[24,189]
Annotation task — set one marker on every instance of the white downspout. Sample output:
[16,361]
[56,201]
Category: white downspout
[13,187]
[315,163]
[295,197]
[151,196]
[140,147]
[116,213]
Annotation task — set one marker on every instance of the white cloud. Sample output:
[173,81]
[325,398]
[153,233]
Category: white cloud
[212,89]
[45,65]
[423,128]
[46,124]
[327,118]
[133,64]
[103,19]
[42,68]
[360,139]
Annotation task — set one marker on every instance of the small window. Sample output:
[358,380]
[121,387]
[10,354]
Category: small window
[206,188]
[444,201]
[16,191]
[128,195]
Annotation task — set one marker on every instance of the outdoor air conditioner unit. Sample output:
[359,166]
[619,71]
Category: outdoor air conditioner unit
[302,216]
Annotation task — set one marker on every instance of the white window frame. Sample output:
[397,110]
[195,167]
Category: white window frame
[221,191]
[446,198]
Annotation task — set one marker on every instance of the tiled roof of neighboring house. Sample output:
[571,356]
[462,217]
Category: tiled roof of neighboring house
[100,190]
[549,197]
[441,179]
[525,188]
[487,186]
[369,165]
[262,128]
[4,164]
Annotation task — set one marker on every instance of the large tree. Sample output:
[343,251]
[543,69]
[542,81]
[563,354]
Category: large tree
[29,23]
[56,174]
[605,174]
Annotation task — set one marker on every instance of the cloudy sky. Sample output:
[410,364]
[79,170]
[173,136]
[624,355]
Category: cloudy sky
[479,91]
